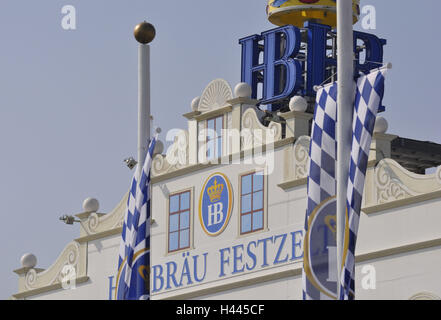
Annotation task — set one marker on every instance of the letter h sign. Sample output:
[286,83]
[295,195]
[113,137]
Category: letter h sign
[277,61]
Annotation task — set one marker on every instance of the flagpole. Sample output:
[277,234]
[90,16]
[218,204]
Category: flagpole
[345,93]
[144,34]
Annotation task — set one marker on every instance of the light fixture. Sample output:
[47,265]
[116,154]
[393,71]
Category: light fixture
[272,117]
[68,219]
[130,162]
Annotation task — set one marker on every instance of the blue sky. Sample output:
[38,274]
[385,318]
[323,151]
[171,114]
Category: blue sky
[68,99]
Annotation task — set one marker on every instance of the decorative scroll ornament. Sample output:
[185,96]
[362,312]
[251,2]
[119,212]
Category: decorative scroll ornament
[70,256]
[96,223]
[176,157]
[254,133]
[389,186]
[215,95]
[31,278]
[393,182]
[93,222]
[301,157]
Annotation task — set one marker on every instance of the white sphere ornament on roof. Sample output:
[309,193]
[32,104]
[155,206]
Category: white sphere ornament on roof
[381,125]
[243,90]
[91,205]
[28,260]
[298,104]
[195,103]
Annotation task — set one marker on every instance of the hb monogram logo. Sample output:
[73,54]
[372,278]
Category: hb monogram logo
[215,204]
[215,211]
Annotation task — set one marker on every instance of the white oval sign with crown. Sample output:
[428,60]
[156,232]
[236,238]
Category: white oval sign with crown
[215,204]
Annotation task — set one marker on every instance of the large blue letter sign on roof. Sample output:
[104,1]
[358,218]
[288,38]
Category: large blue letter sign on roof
[317,62]
[295,60]
[373,48]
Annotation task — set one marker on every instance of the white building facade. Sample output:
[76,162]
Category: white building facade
[249,245]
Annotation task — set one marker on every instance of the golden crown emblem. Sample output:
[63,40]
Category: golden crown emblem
[215,191]
[331,222]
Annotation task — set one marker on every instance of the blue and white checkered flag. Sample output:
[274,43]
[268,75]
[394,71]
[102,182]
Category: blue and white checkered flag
[317,267]
[320,255]
[133,278]
[369,95]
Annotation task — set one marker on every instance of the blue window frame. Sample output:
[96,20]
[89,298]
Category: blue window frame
[252,203]
[179,221]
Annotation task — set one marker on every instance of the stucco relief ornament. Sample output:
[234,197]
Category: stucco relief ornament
[93,222]
[247,127]
[275,130]
[176,157]
[69,256]
[96,223]
[31,278]
[72,261]
[389,187]
[215,95]
[301,157]
[254,133]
